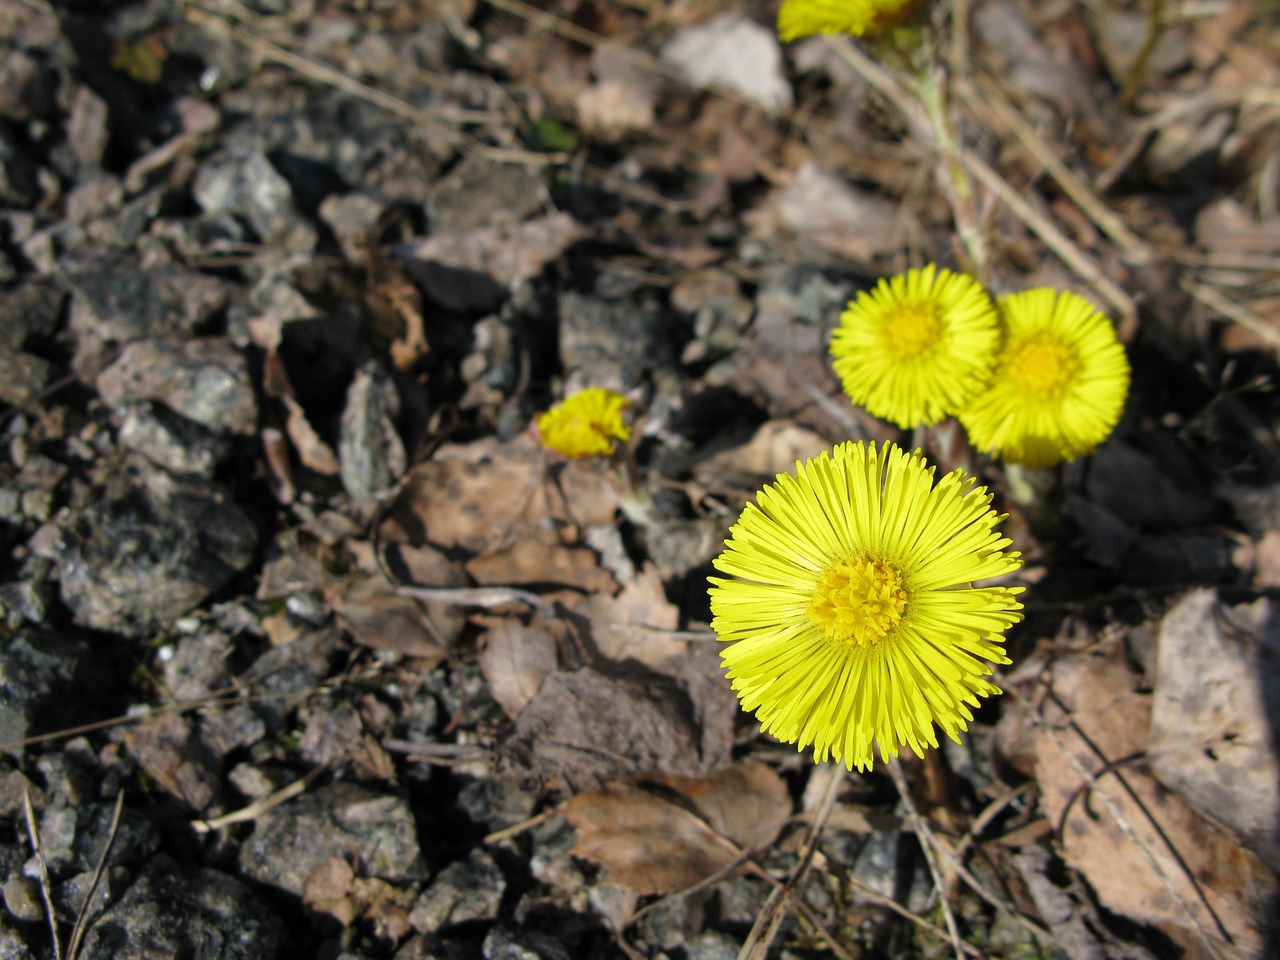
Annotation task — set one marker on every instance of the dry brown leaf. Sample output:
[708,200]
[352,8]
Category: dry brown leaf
[651,844]
[647,844]
[774,448]
[531,561]
[485,496]
[381,619]
[747,803]
[327,890]
[635,624]
[1217,672]
[1107,834]
[515,660]
[588,727]
[821,208]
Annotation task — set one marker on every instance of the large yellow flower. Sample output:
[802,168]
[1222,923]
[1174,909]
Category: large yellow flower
[852,618]
[805,18]
[585,424]
[1059,384]
[918,347]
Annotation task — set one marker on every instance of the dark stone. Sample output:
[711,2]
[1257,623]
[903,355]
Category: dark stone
[195,913]
[39,671]
[136,562]
[510,943]
[372,831]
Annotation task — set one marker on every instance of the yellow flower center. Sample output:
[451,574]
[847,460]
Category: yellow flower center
[1042,365]
[910,329]
[859,602]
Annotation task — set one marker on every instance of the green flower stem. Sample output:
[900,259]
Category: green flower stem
[931,88]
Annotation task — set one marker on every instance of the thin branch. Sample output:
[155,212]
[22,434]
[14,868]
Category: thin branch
[38,849]
[86,909]
[927,842]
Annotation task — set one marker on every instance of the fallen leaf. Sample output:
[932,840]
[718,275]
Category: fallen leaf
[589,726]
[747,803]
[649,843]
[1110,833]
[381,619]
[774,448]
[636,624]
[515,660]
[1217,682]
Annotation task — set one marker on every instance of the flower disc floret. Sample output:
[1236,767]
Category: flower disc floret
[848,606]
[861,18]
[918,347]
[1059,383]
[586,424]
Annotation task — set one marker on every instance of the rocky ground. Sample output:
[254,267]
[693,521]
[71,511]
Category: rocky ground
[310,650]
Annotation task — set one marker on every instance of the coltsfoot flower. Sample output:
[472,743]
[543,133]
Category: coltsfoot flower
[806,18]
[1059,383]
[586,424]
[851,618]
[918,347]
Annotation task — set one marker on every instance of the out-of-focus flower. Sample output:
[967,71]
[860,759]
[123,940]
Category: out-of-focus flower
[806,18]
[1059,383]
[851,617]
[918,347]
[586,424]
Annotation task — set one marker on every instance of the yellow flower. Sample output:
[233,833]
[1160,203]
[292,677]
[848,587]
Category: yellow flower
[585,424]
[918,347]
[853,619]
[805,18]
[1059,384]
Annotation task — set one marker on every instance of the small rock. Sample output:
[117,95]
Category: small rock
[197,665]
[464,891]
[712,945]
[205,380]
[196,913]
[479,193]
[497,802]
[242,181]
[232,728]
[87,132]
[39,673]
[370,450]
[172,441]
[510,943]
[23,377]
[168,751]
[611,344]
[137,561]
[115,300]
[22,898]
[375,832]
[353,218]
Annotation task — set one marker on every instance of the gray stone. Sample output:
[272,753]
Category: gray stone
[115,300]
[12,946]
[196,913]
[22,378]
[480,193]
[232,729]
[135,562]
[39,671]
[205,380]
[464,891]
[497,802]
[22,898]
[370,451]
[510,943]
[613,344]
[288,674]
[32,309]
[712,945]
[375,832]
[171,441]
[242,181]
[196,665]
[73,838]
